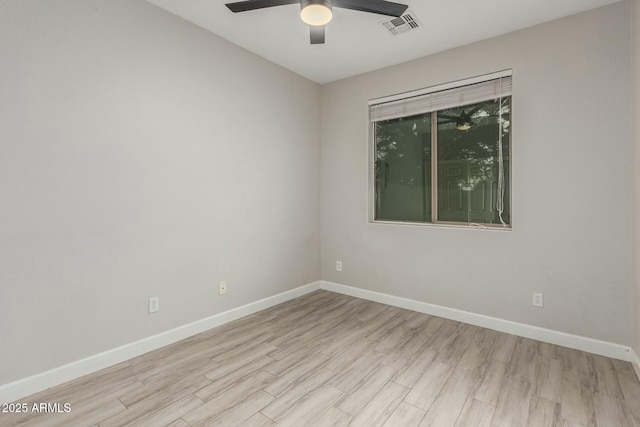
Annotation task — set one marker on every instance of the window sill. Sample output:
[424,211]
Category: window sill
[472,226]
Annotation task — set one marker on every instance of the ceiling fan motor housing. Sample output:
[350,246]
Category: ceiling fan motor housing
[316,13]
[326,3]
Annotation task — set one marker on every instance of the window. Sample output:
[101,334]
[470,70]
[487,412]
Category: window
[442,155]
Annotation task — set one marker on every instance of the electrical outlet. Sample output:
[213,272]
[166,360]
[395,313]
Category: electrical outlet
[223,287]
[338,265]
[154,304]
[538,299]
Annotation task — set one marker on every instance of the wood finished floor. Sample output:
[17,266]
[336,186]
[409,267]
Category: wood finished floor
[331,360]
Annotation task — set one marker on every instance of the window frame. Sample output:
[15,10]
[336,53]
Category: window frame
[434,158]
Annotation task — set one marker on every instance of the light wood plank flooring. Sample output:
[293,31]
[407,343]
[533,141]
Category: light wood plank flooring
[331,360]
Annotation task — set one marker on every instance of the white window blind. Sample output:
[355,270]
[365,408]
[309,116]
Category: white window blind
[419,103]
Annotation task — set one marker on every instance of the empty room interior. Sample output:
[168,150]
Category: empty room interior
[420,213]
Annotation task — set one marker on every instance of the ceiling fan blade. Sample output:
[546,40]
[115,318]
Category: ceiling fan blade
[373,6]
[474,110]
[317,34]
[243,6]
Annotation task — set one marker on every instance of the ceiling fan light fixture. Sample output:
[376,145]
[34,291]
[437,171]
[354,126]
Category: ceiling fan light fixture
[464,126]
[316,12]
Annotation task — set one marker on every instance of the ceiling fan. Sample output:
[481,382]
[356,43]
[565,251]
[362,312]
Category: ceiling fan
[318,13]
[465,121]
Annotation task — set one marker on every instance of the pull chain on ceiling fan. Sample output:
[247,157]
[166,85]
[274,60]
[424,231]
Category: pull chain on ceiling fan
[318,13]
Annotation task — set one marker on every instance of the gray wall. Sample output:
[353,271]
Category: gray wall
[636,189]
[572,184]
[142,156]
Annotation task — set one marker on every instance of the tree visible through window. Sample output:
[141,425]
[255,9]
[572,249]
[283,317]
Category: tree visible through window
[448,165]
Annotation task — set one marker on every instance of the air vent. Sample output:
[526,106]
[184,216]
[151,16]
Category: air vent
[402,24]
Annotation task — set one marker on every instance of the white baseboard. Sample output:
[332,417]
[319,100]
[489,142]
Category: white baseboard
[635,361]
[16,390]
[577,342]
[27,386]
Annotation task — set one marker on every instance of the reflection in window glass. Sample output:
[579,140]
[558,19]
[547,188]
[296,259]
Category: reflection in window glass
[473,185]
[403,169]
[471,181]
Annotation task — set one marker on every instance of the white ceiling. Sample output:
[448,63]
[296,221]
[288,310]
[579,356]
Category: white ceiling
[356,42]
